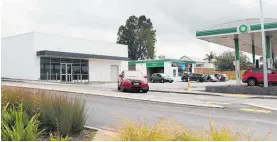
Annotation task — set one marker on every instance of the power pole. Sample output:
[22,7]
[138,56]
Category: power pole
[263,46]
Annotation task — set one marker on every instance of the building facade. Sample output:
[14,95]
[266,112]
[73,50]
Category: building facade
[201,66]
[172,67]
[39,56]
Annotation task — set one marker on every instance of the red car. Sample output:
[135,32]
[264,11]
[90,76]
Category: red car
[132,81]
[255,76]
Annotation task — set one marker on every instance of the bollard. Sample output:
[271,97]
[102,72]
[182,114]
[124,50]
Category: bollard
[81,78]
[188,83]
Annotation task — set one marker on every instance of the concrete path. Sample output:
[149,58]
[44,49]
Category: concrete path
[197,89]
[162,98]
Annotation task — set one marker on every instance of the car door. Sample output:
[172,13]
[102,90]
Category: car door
[272,76]
[192,77]
[159,77]
[258,74]
[153,77]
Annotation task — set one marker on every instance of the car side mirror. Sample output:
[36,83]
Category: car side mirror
[120,75]
[273,72]
[145,76]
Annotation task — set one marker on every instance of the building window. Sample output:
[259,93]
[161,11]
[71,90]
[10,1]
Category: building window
[51,68]
[181,67]
[132,67]
[199,65]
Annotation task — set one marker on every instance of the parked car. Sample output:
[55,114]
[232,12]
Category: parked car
[211,78]
[132,81]
[160,77]
[225,77]
[193,77]
[221,77]
[255,76]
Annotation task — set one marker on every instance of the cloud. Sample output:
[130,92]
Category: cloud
[175,20]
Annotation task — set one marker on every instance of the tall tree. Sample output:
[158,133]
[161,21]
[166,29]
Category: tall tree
[139,35]
[225,61]
[210,56]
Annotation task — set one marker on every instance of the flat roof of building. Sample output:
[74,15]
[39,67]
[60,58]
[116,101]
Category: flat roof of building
[161,61]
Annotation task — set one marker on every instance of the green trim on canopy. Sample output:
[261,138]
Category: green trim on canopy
[216,32]
[266,26]
[234,29]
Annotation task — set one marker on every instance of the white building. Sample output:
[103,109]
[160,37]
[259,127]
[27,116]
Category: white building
[39,56]
[199,63]
[171,67]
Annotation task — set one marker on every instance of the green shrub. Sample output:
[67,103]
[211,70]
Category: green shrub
[16,125]
[59,138]
[57,112]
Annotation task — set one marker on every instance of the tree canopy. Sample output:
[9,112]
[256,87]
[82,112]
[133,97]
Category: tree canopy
[210,56]
[139,35]
[225,61]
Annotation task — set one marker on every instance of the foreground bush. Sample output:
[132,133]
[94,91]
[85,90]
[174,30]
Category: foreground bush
[16,125]
[58,113]
[165,130]
[140,131]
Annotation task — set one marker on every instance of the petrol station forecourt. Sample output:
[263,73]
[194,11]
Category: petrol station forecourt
[244,35]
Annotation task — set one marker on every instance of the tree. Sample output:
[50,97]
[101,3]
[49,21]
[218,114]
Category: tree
[210,56]
[139,35]
[225,61]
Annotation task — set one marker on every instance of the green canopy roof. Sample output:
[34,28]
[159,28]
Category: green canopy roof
[224,34]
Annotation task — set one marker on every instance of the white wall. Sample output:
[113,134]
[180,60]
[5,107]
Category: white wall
[193,67]
[124,66]
[100,70]
[205,65]
[18,58]
[142,67]
[76,45]
[168,69]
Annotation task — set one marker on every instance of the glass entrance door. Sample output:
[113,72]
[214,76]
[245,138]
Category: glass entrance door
[66,72]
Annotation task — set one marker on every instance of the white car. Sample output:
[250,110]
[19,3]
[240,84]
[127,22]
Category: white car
[212,78]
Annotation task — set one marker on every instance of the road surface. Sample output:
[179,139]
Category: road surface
[106,113]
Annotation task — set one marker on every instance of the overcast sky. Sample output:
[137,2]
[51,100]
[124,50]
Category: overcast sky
[176,21]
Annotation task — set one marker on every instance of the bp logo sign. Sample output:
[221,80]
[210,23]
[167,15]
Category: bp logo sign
[243,28]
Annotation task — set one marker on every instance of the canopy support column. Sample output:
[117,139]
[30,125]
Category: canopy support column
[237,62]
[273,57]
[268,52]
[254,55]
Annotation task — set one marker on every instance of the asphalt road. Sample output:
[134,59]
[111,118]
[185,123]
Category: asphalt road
[107,112]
